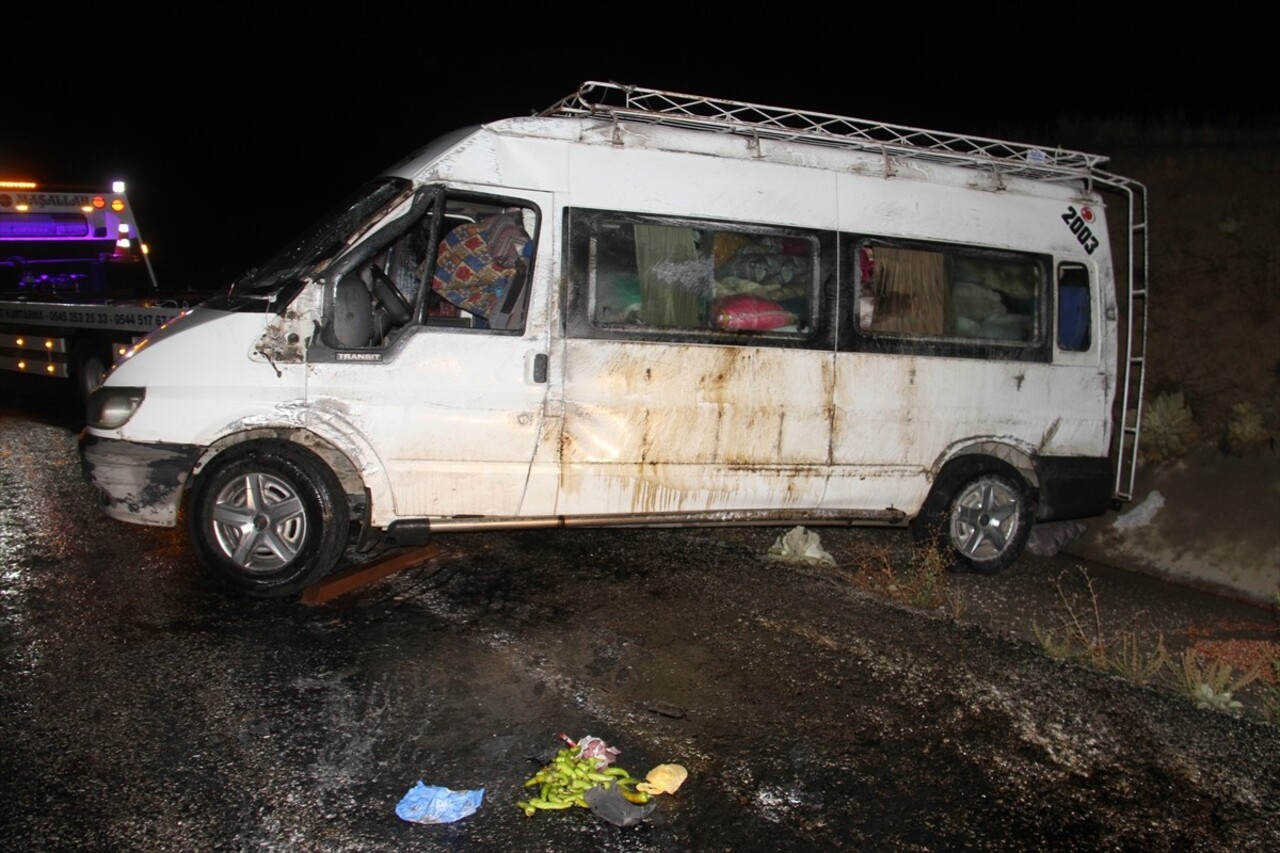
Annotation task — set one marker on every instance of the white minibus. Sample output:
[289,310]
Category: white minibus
[642,307]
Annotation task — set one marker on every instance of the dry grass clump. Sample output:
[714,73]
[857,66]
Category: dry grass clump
[1210,682]
[1246,434]
[1213,684]
[1083,635]
[1271,693]
[1168,430]
[919,579]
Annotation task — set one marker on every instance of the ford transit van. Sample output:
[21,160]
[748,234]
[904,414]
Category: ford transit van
[642,307]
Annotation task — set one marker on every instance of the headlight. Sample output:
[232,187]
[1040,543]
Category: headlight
[111,407]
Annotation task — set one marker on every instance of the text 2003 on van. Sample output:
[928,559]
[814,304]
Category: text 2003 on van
[647,308]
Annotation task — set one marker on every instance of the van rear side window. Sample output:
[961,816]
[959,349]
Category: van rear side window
[659,275]
[949,300]
[1074,308]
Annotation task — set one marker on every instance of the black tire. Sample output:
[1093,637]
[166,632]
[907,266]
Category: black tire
[978,515]
[90,367]
[293,538]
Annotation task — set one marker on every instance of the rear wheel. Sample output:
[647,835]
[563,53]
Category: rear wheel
[268,519]
[978,516]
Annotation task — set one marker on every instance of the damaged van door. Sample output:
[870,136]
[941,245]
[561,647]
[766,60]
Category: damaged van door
[422,390]
[444,395]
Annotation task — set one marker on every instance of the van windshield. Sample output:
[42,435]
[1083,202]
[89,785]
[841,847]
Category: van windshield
[322,242]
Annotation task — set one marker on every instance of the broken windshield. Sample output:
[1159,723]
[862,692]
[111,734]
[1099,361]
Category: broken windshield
[321,243]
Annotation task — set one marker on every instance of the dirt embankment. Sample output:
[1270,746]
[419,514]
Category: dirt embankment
[1206,507]
[1214,267]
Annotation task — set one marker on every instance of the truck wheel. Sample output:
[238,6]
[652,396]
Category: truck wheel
[268,519]
[978,515]
[91,365]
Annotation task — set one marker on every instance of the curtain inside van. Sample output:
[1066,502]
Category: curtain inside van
[674,282]
[911,292]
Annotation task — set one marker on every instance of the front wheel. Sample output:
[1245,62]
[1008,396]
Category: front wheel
[979,515]
[268,519]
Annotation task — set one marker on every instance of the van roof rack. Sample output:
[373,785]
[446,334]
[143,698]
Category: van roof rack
[619,102]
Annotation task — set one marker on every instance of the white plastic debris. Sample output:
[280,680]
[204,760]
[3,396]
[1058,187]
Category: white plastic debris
[1142,514]
[800,547]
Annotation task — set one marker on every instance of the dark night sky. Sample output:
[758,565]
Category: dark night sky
[229,152]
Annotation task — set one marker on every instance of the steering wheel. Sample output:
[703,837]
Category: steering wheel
[388,296]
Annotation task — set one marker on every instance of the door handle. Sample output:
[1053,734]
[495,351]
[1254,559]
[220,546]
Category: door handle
[540,367]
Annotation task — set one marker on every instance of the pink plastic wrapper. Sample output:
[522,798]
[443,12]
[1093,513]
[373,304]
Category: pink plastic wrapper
[593,747]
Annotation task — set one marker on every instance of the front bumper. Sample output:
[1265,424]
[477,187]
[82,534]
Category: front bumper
[138,483]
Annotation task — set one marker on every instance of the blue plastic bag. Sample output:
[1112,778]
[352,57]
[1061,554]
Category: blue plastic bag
[431,804]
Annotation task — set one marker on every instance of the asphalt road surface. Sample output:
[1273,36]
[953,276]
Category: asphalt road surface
[141,709]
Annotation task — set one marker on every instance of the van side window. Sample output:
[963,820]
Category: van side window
[453,260]
[1075,309]
[948,300]
[481,270]
[651,274]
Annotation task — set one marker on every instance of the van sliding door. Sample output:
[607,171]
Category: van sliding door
[697,366]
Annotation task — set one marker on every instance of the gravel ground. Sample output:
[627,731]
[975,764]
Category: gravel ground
[814,706]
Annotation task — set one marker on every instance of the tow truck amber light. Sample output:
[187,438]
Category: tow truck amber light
[111,408]
[117,204]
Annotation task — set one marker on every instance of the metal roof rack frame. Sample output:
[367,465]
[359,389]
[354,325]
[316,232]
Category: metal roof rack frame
[619,102]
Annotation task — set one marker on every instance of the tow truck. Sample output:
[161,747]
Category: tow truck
[77,287]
